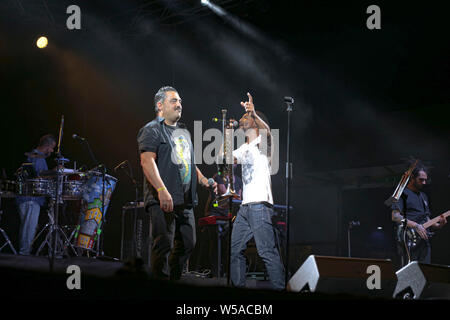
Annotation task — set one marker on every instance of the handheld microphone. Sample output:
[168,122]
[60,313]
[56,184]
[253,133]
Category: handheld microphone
[235,124]
[121,165]
[77,137]
[211,183]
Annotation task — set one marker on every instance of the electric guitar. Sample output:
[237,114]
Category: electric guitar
[412,237]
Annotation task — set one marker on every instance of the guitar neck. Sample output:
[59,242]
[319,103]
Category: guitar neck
[436,219]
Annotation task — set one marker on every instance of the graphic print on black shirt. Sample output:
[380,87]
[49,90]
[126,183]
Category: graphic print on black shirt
[181,153]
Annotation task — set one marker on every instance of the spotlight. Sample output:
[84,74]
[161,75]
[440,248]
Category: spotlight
[42,42]
[204,2]
[380,228]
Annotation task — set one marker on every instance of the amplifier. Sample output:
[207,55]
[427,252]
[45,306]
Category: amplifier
[136,233]
[423,281]
[334,275]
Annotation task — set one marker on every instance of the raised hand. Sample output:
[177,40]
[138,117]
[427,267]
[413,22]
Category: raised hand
[248,105]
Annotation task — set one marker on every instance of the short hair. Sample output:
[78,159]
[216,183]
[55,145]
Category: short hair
[161,95]
[46,140]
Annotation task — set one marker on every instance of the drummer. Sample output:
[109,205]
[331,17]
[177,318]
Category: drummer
[30,207]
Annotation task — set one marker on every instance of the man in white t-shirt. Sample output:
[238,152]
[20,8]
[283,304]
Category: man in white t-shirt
[254,218]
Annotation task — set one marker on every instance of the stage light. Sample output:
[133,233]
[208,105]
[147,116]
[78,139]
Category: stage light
[204,2]
[42,42]
[380,228]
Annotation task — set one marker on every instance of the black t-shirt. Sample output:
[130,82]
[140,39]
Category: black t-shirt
[175,161]
[417,206]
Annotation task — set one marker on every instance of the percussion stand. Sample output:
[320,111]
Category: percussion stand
[55,234]
[7,241]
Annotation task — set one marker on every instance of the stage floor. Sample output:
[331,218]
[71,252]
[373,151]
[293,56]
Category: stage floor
[29,277]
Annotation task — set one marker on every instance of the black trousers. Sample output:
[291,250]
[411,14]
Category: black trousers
[174,240]
[421,252]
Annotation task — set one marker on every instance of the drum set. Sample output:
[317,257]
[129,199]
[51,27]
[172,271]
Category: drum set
[90,191]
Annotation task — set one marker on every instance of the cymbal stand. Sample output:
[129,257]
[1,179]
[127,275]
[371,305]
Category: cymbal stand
[56,239]
[7,241]
[55,232]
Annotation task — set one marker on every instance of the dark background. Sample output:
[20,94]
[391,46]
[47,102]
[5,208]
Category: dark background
[363,98]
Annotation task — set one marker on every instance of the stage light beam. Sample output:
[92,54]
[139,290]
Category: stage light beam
[42,42]
[204,2]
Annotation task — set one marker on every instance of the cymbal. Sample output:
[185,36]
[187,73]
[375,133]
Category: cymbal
[34,155]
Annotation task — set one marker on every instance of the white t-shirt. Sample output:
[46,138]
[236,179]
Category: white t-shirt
[255,173]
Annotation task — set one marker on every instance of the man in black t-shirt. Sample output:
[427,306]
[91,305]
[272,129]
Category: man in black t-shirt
[415,203]
[171,176]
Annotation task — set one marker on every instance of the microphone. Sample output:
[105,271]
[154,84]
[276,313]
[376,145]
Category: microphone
[354,224]
[211,183]
[121,165]
[289,100]
[75,136]
[234,123]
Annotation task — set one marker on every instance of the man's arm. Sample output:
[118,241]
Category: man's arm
[442,222]
[202,180]
[151,173]
[263,127]
[397,217]
[250,107]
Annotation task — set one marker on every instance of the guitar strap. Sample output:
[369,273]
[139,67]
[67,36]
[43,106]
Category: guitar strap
[425,209]
[426,217]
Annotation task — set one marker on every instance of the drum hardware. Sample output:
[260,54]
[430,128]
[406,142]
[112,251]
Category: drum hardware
[53,239]
[5,236]
[61,243]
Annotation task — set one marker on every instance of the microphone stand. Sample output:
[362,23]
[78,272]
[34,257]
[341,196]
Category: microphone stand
[289,102]
[136,190]
[100,227]
[396,197]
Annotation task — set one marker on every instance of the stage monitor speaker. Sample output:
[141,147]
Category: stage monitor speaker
[339,275]
[136,235]
[425,281]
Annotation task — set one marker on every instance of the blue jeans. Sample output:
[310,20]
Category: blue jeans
[255,220]
[29,217]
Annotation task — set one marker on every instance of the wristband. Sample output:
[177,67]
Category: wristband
[160,189]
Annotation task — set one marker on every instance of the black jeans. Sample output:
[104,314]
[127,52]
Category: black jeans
[421,252]
[174,240]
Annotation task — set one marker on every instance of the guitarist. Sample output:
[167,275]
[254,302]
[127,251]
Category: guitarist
[415,203]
